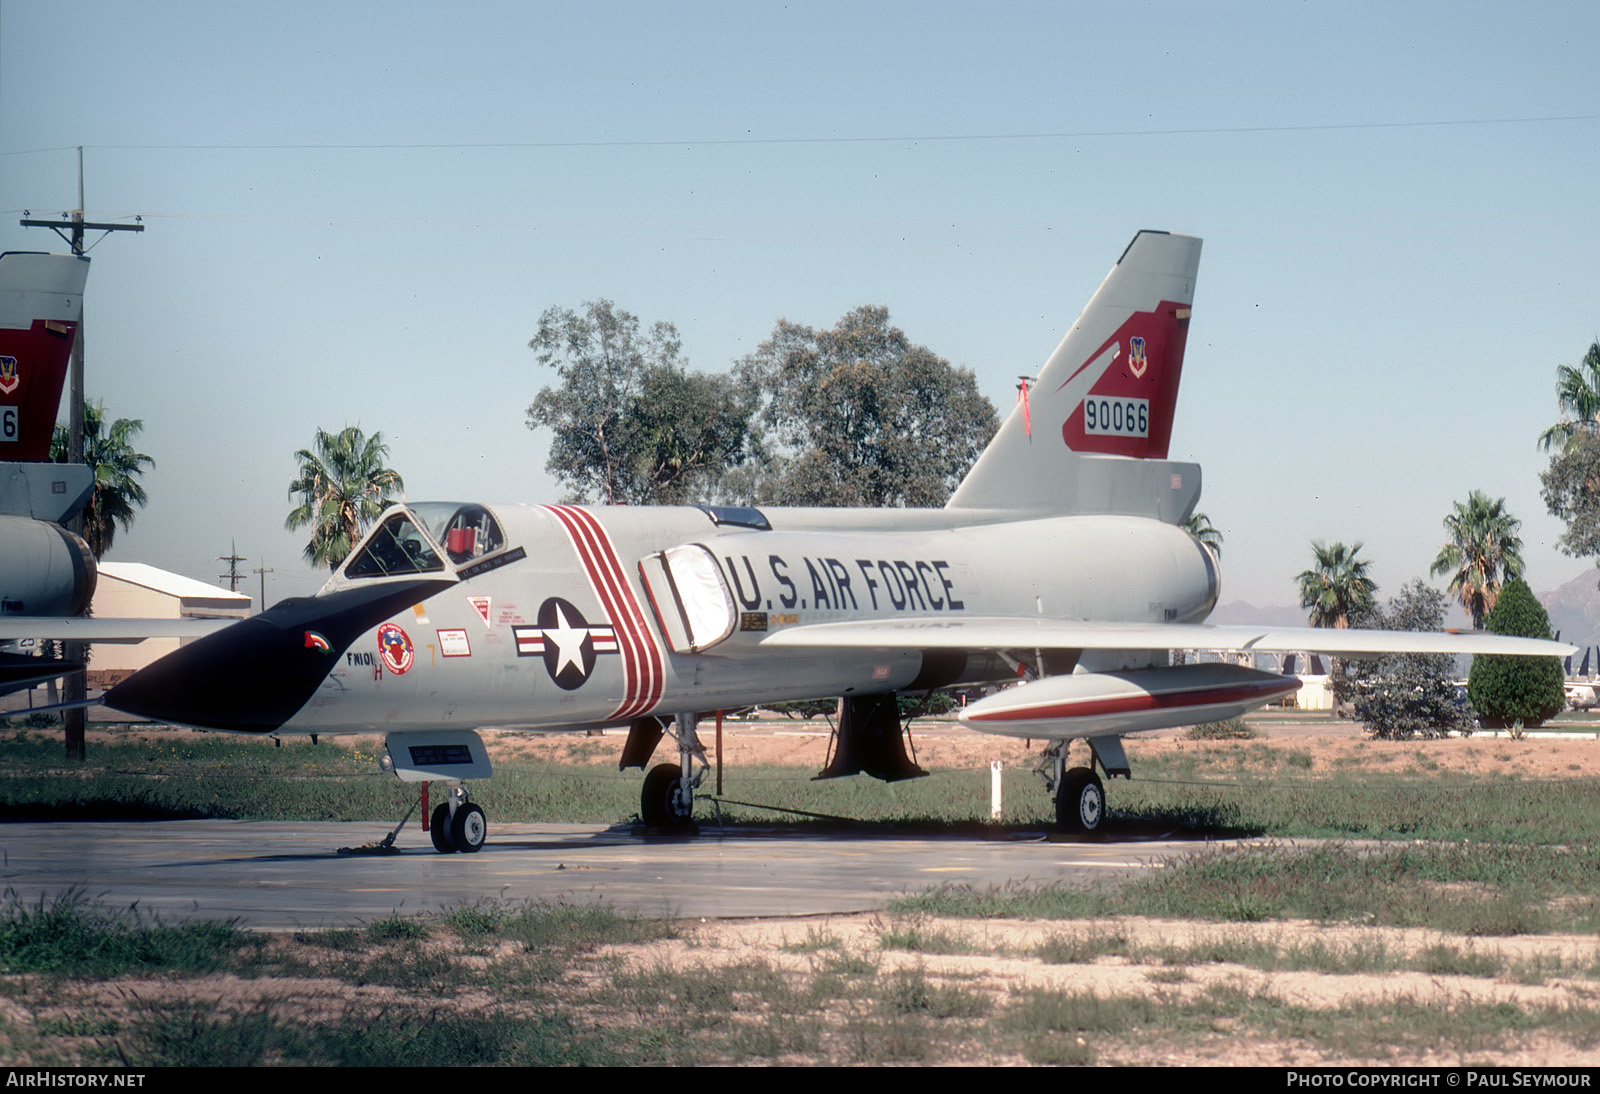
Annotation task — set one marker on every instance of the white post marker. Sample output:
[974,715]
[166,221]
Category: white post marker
[994,789]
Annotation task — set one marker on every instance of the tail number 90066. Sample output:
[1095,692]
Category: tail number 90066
[1117,417]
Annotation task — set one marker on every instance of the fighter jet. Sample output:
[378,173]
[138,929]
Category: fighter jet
[1060,558]
[47,574]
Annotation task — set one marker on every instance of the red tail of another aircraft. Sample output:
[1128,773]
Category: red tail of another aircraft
[41,304]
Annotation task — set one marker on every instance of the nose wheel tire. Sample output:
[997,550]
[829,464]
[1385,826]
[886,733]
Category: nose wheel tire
[1080,801]
[658,802]
[439,830]
[469,830]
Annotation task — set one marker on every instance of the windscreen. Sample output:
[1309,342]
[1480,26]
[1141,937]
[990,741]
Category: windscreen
[397,546]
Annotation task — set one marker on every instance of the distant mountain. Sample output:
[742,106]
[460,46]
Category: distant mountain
[1238,611]
[1575,611]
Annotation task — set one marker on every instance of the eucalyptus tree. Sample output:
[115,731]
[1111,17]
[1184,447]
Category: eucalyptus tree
[863,416]
[632,425]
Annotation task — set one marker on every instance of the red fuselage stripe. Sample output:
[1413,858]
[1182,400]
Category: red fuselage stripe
[642,669]
[632,628]
[590,553]
[1130,704]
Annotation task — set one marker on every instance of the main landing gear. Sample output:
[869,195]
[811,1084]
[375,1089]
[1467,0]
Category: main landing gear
[457,824]
[667,800]
[1080,795]
[661,802]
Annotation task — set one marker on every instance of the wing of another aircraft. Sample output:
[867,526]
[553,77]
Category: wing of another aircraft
[1008,633]
[86,629]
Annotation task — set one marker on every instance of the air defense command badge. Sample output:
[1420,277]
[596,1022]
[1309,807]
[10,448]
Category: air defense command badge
[394,646]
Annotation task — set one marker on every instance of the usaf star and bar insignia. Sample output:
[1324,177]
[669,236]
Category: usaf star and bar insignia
[568,643]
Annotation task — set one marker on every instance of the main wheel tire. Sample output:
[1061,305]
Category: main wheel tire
[1080,801]
[470,829]
[439,829]
[658,801]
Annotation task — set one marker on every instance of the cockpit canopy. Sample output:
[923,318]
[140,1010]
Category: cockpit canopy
[466,532]
[418,538]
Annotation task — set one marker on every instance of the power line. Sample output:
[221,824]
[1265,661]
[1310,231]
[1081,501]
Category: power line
[923,138]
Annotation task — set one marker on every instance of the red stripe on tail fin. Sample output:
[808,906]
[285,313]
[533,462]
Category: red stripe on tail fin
[1128,409]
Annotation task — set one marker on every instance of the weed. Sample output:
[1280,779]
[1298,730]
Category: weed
[68,935]
[1037,1012]
[475,921]
[189,1034]
[394,928]
[814,942]
[1081,949]
[849,965]
[909,991]
[1056,1051]
[1443,960]
[917,939]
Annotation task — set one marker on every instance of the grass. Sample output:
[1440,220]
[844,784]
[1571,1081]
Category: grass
[442,1005]
[69,936]
[1485,889]
[916,937]
[497,983]
[1251,788]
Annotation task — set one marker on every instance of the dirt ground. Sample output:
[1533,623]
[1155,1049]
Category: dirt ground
[999,957]
[1331,745]
[1002,962]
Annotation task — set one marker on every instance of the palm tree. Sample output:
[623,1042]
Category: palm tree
[1484,551]
[1578,392]
[117,467]
[1199,526]
[342,486]
[1338,587]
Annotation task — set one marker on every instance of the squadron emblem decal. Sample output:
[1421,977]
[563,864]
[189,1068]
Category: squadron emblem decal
[568,643]
[8,375]
[394,646]
[1138,361]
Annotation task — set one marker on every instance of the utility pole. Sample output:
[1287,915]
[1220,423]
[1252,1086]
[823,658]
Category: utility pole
[264,572]
[233,576]
[71,228]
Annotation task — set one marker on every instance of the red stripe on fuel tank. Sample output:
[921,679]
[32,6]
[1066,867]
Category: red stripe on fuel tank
[1127,704]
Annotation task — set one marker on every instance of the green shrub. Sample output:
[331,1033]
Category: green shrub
[1506,689]
[1234,729]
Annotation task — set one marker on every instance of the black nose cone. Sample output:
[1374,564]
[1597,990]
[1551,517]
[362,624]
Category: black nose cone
[255,675]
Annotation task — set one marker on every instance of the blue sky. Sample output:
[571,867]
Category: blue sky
[356,213]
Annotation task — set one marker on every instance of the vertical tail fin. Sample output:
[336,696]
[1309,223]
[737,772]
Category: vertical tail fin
[1109,389]
[41,304]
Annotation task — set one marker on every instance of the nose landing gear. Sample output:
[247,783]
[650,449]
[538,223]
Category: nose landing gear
[457,824]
